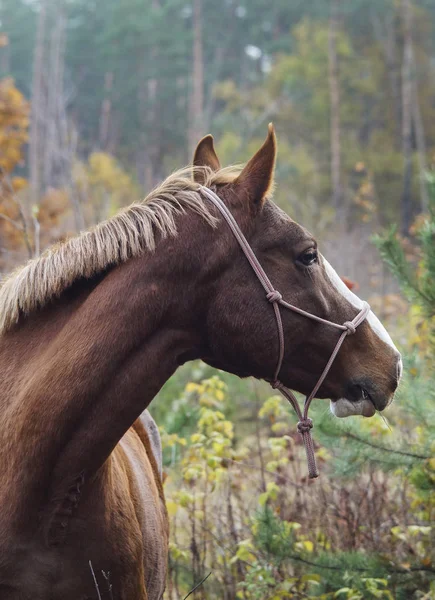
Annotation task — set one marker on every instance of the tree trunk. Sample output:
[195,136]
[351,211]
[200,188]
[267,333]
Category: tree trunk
[149,151]
[4,55]
[407,109]
[106,109]
[55,97]
[196,121]
[420,139]
[143,155]
[386,36]
[334,95]
[37,103]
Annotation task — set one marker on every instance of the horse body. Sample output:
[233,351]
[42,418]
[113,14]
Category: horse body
[118,533]
[91,331]
[58,516]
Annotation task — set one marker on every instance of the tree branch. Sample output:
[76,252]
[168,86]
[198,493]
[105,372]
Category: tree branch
[385,449]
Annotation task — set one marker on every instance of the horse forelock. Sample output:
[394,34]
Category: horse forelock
[128,234]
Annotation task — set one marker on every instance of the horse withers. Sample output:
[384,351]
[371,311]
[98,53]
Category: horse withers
[92,329]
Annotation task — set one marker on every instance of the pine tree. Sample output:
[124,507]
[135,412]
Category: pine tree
[416,281]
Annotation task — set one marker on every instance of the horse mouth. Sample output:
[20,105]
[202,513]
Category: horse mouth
[362,405]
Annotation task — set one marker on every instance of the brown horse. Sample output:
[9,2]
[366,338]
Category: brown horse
[92,329]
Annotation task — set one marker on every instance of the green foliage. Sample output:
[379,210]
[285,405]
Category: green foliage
[247,514]
[394,256]
[415,276]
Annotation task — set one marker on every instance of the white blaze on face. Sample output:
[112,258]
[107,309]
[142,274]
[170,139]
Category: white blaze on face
[342,288]
[343,407]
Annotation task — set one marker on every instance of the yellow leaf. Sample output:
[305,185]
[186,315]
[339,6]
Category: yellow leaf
[172,507]
[193,387]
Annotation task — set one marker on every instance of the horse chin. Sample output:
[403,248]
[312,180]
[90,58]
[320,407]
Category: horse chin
[345,408]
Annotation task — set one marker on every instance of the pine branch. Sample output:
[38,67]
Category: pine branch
[393,255]
[384,448]
[271,540]
[427,239]
[399,571]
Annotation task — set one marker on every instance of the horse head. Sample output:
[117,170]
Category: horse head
[242,333]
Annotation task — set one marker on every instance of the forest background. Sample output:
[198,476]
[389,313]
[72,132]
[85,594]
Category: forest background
[100,100]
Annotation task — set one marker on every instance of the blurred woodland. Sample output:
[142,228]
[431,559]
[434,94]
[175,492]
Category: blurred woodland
[100,100]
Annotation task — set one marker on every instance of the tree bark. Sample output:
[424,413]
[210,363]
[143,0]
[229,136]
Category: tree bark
[420,139]
[334,95]
[4,54]
[106,109]
[148,154]
[37,102]
[386,36]
[196,121]
[407,109]
[55,98]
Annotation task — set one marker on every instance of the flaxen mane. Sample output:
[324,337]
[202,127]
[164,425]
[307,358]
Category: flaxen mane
[128,234]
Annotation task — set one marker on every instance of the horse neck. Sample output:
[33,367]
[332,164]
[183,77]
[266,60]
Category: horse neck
[76,376]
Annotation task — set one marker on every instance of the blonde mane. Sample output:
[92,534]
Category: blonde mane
[130,233]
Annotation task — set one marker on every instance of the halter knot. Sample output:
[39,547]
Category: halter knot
[350,327]
[305,425]
[274,296]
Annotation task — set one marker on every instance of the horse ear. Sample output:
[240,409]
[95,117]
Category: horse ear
[205,156]
[256,180]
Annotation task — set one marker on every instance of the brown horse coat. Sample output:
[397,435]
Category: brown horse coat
[91,330]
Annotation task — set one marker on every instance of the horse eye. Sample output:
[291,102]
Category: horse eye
[309,257]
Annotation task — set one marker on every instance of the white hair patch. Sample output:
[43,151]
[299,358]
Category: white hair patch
[372,319]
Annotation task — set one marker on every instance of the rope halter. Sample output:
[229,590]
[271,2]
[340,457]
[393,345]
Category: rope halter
[305,424]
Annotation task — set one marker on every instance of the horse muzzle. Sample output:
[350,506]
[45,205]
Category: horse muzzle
[364,397]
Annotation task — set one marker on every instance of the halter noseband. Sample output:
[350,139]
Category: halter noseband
[305,424]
